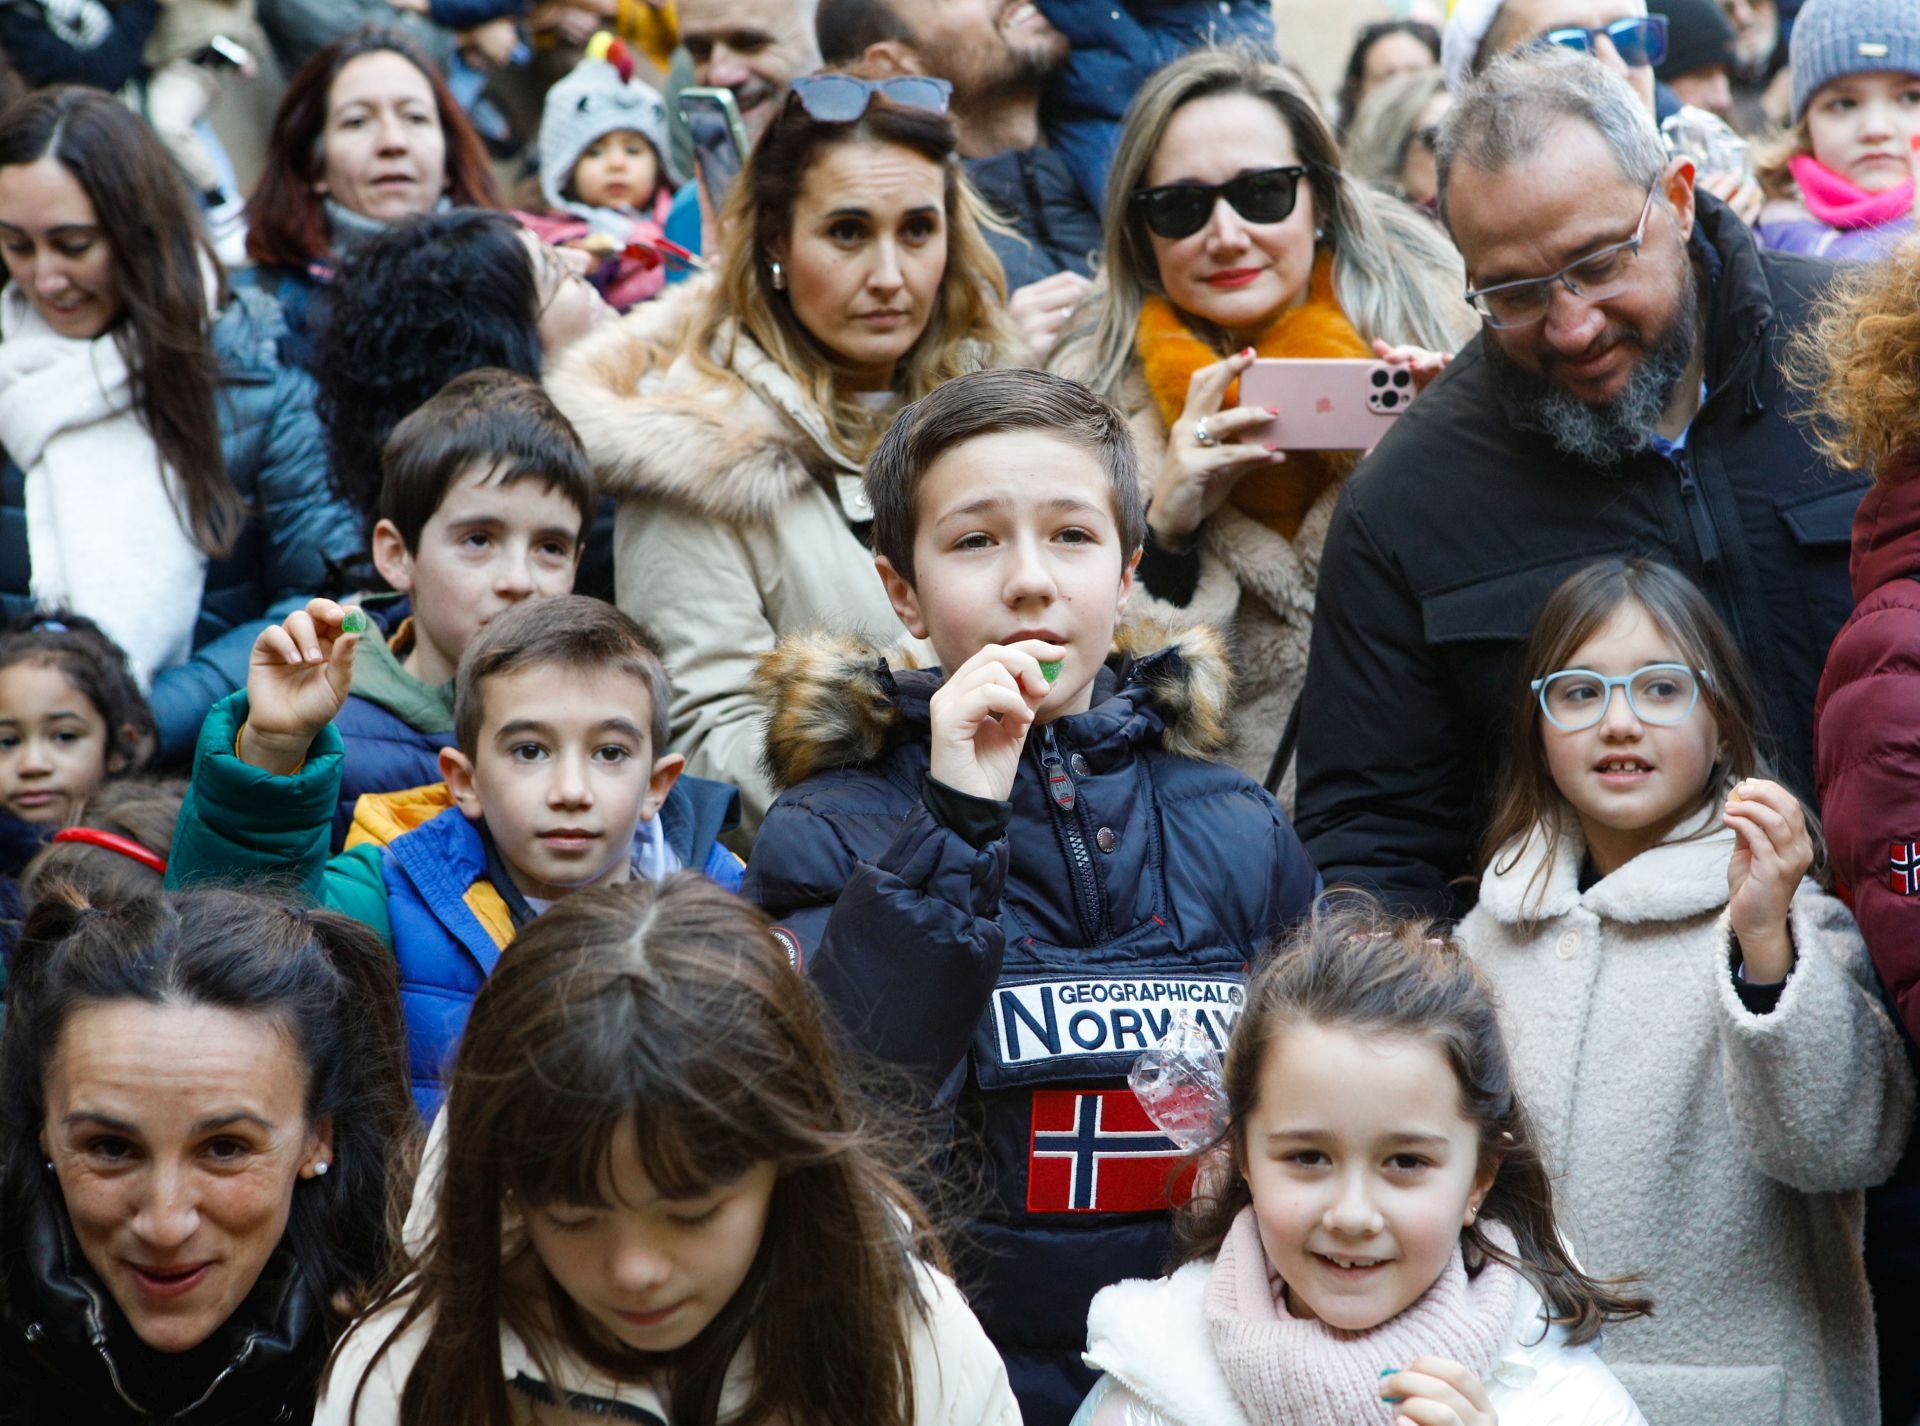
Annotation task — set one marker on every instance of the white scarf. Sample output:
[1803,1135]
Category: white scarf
[105,535]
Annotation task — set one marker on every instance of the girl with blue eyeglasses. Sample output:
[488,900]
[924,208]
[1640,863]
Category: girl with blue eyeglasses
[1694,1023]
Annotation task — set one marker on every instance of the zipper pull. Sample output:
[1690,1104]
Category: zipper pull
[1059,782]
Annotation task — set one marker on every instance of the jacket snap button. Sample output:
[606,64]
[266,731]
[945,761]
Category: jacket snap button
[1568,945]
[1107,839]
[1079,765]
[36,1334]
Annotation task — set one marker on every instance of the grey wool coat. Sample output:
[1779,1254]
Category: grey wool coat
[1716,1153]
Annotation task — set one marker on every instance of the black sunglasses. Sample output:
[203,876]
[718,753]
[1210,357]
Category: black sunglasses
[1179,210]
[841,98]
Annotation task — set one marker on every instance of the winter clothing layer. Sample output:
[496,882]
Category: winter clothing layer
[623,281]
[1864,755]
[20,843]
[736,526]
[305,299]
[1057,226]
[393,725]
[276,457]
[67,1353]
[417,872]
[957,1379]
[1254,584]
[1116,47]
[1015,957]
[1834,38]
[1151,1339]
[1786,226]
[106,53]
[298,28]
[1450,536]
[1716,1152]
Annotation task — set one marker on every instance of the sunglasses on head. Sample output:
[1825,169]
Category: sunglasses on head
[841,98]
[1179,210]
[1639,41]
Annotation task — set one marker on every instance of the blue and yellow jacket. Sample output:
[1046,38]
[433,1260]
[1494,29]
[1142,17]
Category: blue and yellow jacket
[416,870]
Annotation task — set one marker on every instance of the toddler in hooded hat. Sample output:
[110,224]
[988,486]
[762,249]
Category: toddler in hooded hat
[604,170]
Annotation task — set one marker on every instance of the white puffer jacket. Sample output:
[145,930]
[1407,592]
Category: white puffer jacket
[1151,1340]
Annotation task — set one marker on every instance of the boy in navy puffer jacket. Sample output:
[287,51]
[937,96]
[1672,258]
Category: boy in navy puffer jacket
[1005,879]
[485,500]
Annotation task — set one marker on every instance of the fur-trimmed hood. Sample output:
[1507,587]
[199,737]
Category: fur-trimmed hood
[833,701]
[655,425]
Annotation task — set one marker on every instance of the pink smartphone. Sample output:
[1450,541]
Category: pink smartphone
[1331,405]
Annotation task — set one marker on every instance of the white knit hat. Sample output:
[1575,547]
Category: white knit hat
[1466,27]
[590,103]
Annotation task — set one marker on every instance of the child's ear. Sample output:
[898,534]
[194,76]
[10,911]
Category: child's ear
[901,596]
[666,772]
[457,768]
[392,557]
[1482,1185]
[1127,576]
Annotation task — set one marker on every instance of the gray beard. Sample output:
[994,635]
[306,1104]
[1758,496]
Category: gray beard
[1608,433]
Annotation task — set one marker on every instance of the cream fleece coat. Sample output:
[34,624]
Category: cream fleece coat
[1256,587]
[1717,1153]
[1151,1340]
[732,527]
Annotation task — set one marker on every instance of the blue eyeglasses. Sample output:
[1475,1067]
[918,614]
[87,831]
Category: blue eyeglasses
[1576,698]
[1639,41]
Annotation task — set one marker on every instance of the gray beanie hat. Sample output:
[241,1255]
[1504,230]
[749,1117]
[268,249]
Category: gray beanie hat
[1832,38]
[590,103]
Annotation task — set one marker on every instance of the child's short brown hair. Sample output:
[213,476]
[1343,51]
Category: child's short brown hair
[491,418]
[986,403]
[570,631]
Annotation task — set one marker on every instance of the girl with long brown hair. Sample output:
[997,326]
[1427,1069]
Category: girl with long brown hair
[165,474]
[656,1201]
[1375,1224]
[1696,1024]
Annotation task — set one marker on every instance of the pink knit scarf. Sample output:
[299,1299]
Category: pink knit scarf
[1291,1371]
[1840,204]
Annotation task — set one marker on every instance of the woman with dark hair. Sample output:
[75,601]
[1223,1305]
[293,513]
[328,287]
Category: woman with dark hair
[204,1118]
[164,473]
[732,418]
[367,133]
[1381,51]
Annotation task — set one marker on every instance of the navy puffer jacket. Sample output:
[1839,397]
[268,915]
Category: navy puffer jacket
[1017,968]
[276,456]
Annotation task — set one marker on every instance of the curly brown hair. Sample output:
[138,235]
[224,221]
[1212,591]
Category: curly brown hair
[1859,360]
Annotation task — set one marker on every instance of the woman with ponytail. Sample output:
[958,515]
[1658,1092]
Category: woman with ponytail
[204,1121]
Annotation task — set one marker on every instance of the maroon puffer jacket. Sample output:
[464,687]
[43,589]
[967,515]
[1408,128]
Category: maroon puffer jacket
[1867,733]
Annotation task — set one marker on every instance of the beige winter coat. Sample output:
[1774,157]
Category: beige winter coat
[732,529]
[1718,1153]
[1256,587]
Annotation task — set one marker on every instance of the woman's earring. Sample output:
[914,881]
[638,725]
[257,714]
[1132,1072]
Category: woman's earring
[1319,235]
[777,275]
[320,1169]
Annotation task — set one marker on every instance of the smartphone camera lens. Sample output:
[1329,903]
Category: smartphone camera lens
[1389,400]
[1401,377]
[1379,379]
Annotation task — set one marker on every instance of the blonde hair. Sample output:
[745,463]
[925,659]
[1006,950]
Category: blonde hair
[1859,359]
[966,331]
[1395,275]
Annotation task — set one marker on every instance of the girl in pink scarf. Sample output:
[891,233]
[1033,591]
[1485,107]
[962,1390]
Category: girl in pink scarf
[1379,1242]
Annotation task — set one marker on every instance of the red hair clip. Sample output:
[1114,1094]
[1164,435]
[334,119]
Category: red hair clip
[114,842]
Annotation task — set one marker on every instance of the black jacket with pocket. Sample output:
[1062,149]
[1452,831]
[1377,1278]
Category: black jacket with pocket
[1451,535]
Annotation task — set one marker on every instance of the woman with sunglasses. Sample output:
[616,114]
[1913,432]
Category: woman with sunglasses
[730,419]
[1233,234]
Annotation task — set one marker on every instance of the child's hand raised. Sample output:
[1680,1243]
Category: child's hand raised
[300,673]
[981,715]
[1436,1392]
[1773,854]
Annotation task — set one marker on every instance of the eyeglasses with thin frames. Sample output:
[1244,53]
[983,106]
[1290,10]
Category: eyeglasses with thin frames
[1593,278]
[1573,699]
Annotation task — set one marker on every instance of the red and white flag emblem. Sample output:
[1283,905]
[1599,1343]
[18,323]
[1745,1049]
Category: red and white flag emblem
[1097,1151]
[1904,868]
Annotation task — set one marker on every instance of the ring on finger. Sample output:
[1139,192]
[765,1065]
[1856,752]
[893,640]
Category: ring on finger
[1202,436]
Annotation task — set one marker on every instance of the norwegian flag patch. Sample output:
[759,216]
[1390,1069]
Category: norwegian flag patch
[1904,868]
[1097,1151]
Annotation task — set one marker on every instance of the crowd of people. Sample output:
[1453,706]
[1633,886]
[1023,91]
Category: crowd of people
[943,714]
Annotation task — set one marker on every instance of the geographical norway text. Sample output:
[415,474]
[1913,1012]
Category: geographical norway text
[1069,1019]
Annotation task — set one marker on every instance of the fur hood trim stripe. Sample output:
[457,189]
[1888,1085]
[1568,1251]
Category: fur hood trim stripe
[832,701]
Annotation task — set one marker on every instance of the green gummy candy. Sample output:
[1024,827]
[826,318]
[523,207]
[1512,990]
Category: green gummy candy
[1050,669]
[354,621]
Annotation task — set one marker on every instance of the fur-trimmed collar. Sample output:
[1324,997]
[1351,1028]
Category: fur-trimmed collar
[833,701]
[655,424]
[1686,875]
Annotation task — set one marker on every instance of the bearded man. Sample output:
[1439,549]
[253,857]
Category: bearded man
[1624,397]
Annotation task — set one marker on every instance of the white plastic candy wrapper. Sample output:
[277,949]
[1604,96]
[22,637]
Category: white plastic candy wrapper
[1111,1404]
[1178,1083]
[1709,141]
